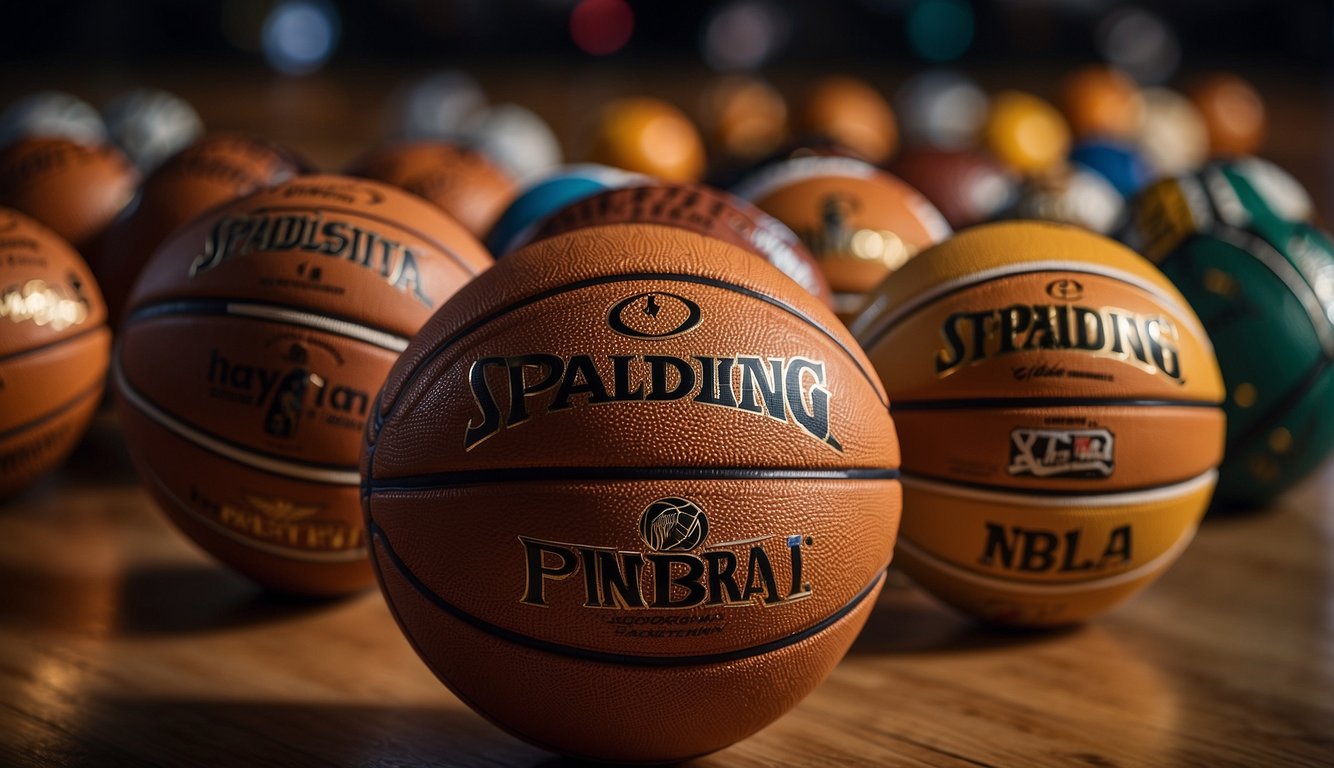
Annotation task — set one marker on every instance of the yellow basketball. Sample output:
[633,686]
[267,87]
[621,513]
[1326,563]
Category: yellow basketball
[1058,406]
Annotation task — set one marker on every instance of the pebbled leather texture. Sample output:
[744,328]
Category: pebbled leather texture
[517,546]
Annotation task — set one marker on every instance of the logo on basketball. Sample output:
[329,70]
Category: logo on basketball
[673,523]
[1065,289]
[42,303]
[289,391]
[653,316]
[1062,453]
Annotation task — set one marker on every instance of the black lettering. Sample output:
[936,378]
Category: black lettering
[659,388]
[581,377]
[761,391]
[535,554]
[486,402]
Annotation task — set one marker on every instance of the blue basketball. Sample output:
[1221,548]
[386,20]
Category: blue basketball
[548,194]
[1119,163]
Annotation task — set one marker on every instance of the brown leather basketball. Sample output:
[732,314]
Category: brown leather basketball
[252,346]
[75,189]
[860,222]
[54,345]
[703,210]
[631,493]
[209,172]
[460,180]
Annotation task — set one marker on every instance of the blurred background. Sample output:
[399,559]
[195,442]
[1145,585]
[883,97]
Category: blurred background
[317,74]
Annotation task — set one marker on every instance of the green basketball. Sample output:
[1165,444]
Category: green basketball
[1261,278]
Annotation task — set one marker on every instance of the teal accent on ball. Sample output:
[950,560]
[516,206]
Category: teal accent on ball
[1264,295]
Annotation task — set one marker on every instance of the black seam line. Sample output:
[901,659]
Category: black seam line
[238,446]
[1278,410]
[60,410]
[989,403]
[394,223]
[618,278]
[1075,492]
[607,657]
[213,306]
[1080,269]
[541,474]
[53,343]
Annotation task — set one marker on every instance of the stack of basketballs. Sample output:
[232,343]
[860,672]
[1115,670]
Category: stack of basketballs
[642,437]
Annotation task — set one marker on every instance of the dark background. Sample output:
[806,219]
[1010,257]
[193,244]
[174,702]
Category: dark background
[1212,33]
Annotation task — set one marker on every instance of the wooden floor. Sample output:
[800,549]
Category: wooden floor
[122,644]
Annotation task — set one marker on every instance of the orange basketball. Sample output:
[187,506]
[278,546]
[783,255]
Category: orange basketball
[703,210]
[75,189]
[209,172]
[54,345]
[631,493]
[461,181]
[1059,407]
[860,222]
[250,351]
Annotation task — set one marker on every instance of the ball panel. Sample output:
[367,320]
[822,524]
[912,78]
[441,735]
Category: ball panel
[703,210]
[779,556]
[1032,605]
[1002,245]
[674,712]
[285,534]
[1282,447]
[763,397]
[40,381]
[1051,539]
[1076,450]
[210,172]
[313,242]
[1051,332]
[47,292]
[460,181]
[275,388]
[73,188]
[607,255]
[43,443]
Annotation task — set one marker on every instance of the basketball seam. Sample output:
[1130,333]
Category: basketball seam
[1157,563]
[471,269]
[607,657]
[1269,256]
[1110,499]
[336,325]
[60,410]
[1048,492]
[991,403]
[44,346]
[436,480]
[884,325]
[281,466]
[528,301]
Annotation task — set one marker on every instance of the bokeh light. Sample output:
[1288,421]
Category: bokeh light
[742,36]
[940,30]
[300,35]
[600,27]
[1140,43]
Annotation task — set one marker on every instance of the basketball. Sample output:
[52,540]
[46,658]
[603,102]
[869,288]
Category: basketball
[631,493]
[860,222]
[249,354]
[462,181]
[1058,403]
[703,210]
[1235,240]
[54,345]
[75,189]
[209,172]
